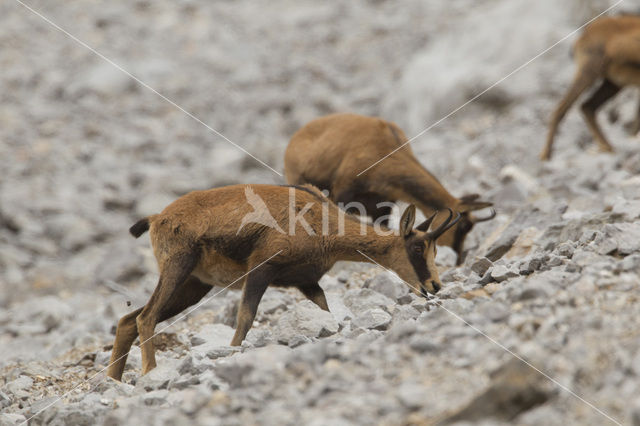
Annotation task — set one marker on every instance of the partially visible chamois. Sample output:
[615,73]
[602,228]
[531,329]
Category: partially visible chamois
[331,151]
[607,53]
[213,238]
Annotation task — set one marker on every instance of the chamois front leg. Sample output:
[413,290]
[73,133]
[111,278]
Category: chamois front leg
[315,293]
[257,283]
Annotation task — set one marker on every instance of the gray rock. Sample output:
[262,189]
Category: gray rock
[5,400]
[480,265]
[494,310]
[375,319]
[222,351]
[451,275]
[504,242]
[401,330]
[624,238]
[405,312]
[159,377]
[307,319]
[152,203]
[515,388]
[532,289]
[629,263]
[450,291]
[123,265]
[15,387]
[211,337]
[103,79]
[501,273]
[635,364]
[259,337]
[446,256]
[635,414]
[389,285]
[486,278]
[411,395]
[156,398]
[337,307]
[565,249]
[72,232]
[631,188]
[112,389]
[298,340]
[630,210]
[423,343]
[184,382]
[237,370]
[343,276]
[361,300]
[190,401]
[533,263]
[11,419]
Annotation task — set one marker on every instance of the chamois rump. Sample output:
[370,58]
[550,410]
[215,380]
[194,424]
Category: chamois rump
[204,239]
[330,152]
[608,53]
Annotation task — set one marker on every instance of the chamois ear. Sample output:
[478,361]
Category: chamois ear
[407,220]
[470,202]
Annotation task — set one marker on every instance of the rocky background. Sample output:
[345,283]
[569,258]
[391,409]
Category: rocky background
[85,151]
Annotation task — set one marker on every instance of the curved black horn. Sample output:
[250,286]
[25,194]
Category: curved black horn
[448,223]
[484,219]
[424,226]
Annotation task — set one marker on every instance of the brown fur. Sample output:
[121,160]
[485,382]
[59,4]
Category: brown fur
[330,151]
[197,245]
[608,53]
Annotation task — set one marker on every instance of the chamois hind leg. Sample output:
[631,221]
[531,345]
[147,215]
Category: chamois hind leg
[606,91]
[188,293]
[635,124]
[173,273]
[257,282]
[584,78]
[315,293]
[126,333]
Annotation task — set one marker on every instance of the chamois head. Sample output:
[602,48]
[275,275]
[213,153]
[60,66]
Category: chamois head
[418,267]
[456,235]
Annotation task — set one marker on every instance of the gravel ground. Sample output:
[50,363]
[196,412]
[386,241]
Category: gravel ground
[85,151]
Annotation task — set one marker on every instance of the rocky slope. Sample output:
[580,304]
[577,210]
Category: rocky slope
[85,151]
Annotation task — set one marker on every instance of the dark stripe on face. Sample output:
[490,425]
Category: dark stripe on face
[417,259]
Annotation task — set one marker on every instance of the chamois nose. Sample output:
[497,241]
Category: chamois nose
[436,286]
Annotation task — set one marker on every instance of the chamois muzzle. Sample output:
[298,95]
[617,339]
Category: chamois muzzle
[444,226]
[425,292]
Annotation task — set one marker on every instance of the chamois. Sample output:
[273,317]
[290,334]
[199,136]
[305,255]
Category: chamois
[608,51]
[214,237]
[330,152]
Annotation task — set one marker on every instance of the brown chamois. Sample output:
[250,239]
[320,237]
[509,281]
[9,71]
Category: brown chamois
[608,52]
[213,238]
[330,152]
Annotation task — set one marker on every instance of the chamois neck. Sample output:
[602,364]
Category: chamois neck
[424,190]
[349,245]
